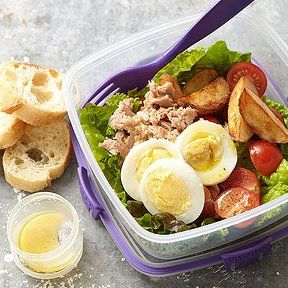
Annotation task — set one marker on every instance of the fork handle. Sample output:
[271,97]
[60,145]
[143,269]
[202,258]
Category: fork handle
[216,16]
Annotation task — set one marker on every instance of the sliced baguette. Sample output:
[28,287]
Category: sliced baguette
[261,119]
[32,92]
[11,130]
[42,154]
[238,128]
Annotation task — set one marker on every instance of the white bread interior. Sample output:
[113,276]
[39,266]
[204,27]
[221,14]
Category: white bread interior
[41,155]
[32,92]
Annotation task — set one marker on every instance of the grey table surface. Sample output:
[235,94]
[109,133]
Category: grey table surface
[58,33]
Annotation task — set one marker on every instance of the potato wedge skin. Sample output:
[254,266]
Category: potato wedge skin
[239,130]
[209,99]
[199,81]
[261,119]
[168,78]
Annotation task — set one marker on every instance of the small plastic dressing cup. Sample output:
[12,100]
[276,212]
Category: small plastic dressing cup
[62,259]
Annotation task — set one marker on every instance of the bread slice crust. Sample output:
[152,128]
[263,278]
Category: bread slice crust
[11,130]
[32,92]
[41,155]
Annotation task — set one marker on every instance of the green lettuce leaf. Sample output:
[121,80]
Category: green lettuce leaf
[113,102]
[95,118]
[95,123]
[182,63]
[284,112]
[275,192]
[243,157]
[123,197]
[279,176]
[276,184]
[284,150]
[207,221]
[219,57]
[279,107]
[136,208]
[189,63]
[163,223]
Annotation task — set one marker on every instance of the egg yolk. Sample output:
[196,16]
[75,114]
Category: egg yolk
[203,151]
[40,234]
[148,157]
[167,192]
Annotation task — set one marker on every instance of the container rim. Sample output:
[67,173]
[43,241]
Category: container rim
[67,242]
[96,58]
[50,275]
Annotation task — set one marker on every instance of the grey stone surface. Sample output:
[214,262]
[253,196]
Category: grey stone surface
[58,33]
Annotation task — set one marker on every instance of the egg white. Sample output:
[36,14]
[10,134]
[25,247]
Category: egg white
[128,172]
[190,178]
[221,171]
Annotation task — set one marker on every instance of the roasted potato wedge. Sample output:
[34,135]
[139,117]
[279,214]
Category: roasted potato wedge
[261,119]
[209,99]
[238,128]
[168,78]
[199,81]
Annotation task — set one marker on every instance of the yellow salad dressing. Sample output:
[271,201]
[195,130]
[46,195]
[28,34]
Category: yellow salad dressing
[43,233]
[45,236]
[40,234]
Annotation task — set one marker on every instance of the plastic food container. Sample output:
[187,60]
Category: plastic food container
[54,263]
[151,253]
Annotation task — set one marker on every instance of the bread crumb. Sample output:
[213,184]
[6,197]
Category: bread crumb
[24,22]
[2,271]
[8,17]
[68,283]
[16,190]
[20,196]
[8,258]
[26,59]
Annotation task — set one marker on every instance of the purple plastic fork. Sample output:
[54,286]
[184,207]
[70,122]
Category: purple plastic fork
[137,77]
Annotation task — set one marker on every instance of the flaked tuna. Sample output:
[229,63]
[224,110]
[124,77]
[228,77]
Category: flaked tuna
[159,117]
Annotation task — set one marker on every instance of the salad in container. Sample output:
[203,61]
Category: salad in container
[199,144]
[196,159]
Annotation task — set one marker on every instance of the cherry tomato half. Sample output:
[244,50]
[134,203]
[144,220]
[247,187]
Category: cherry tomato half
[241,177]
[209,207]
[215,191]
[236,200]
[211,119]
[250,70]
[265,156]
[277,114]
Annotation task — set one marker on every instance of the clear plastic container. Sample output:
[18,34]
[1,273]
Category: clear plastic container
[246,32]
[59,261]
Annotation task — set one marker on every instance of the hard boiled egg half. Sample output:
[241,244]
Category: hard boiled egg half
[171,185]
[140,158]
[209,150]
